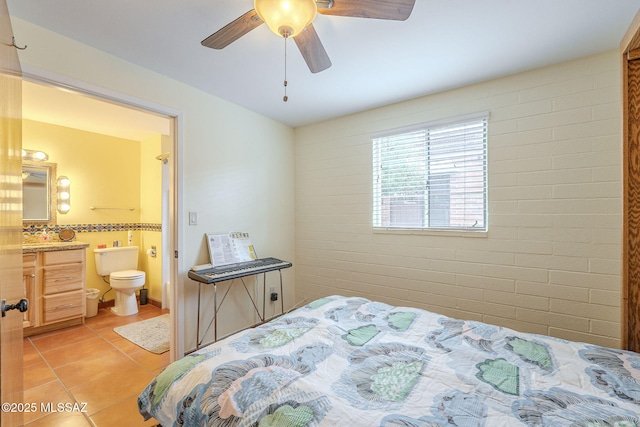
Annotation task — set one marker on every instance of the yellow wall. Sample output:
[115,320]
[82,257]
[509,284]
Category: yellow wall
[150,181]
[101,168]
[107,172]
[151,213]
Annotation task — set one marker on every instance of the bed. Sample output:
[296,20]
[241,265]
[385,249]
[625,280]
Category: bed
[344,361]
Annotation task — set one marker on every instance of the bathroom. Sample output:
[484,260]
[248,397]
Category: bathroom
[116,190]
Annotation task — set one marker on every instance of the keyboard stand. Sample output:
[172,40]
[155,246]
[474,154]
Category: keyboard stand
[216,307]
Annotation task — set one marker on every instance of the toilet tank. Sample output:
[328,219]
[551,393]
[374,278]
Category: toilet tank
[120,258]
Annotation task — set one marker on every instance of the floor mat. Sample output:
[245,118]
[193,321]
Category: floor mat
[151,334]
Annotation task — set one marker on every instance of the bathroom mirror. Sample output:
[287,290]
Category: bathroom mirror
[38,192]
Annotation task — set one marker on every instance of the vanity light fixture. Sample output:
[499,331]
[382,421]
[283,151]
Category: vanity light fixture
[64,194]
[34,155]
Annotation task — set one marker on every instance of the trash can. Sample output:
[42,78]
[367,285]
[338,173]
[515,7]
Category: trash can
[143,296]
[92,302]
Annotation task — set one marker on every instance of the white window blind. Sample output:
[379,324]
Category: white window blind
[432,176]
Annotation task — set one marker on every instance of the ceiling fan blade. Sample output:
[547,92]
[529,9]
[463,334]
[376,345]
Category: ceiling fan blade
[397,10]
[233,31]
[312,50]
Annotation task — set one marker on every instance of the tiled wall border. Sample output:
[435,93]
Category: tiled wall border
[91,228]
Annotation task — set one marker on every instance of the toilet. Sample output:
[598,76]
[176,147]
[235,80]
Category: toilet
[120,263]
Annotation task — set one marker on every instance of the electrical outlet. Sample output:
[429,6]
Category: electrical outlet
[273,294]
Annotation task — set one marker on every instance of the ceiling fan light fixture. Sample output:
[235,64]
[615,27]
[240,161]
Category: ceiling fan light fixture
[286,18]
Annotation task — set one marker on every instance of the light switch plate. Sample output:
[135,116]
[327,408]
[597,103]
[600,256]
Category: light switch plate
[193,218]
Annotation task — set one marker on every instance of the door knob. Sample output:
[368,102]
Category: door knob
[21,306]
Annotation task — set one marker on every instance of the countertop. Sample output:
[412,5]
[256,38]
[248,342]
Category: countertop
[52,246]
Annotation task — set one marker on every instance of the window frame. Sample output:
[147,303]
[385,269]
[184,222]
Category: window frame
[426,228]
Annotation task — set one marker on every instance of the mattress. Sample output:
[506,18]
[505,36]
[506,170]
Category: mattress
[345,361]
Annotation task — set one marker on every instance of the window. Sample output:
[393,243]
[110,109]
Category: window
[432,176]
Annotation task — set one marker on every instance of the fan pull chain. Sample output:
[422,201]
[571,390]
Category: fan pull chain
[285,98]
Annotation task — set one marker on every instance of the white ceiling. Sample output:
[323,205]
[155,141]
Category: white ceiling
[70,109]
[444,44]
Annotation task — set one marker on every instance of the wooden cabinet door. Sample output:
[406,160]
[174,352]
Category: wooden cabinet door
[29,285]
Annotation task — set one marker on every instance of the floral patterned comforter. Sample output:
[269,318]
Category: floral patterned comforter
[353,362]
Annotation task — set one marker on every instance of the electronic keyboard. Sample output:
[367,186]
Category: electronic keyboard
[206,273]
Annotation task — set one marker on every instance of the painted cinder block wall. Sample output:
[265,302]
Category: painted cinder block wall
[550,262]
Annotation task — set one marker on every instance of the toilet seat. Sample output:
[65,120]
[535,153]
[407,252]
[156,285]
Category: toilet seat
[127,275]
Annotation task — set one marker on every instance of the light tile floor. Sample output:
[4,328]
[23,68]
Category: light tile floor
[90,367]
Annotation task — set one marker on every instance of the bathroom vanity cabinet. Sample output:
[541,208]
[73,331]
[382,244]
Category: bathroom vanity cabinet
[54,283]
[29,283]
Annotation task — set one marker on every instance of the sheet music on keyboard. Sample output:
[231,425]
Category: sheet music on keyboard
[221,273]
[230,248]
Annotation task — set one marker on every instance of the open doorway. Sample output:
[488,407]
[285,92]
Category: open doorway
[121,194]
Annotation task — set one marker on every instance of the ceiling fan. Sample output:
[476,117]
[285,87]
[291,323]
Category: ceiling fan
[293,19]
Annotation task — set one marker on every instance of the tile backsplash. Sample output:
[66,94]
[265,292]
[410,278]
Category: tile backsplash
[32,230]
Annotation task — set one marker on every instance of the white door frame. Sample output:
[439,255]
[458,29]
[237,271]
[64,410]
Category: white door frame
[175,229]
